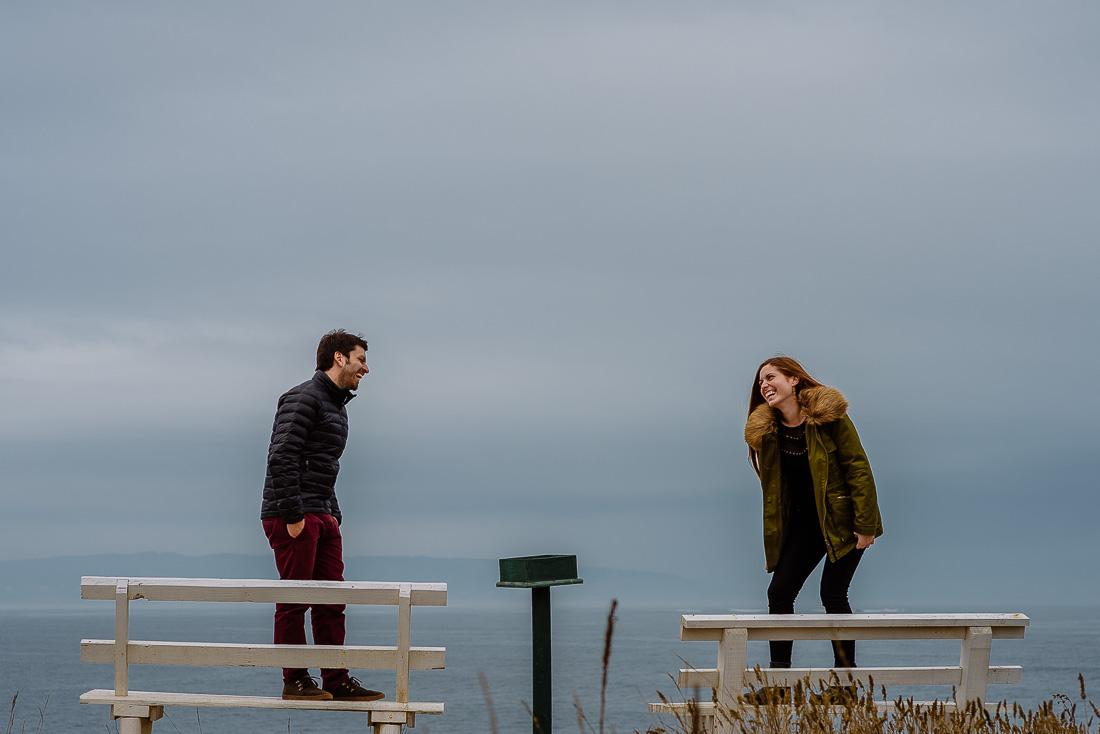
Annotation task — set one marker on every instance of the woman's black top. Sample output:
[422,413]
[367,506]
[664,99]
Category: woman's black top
[798,483]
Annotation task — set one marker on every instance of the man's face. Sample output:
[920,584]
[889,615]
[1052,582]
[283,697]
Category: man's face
[352,368]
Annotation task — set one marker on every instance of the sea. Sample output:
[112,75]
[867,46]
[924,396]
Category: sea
[41,673]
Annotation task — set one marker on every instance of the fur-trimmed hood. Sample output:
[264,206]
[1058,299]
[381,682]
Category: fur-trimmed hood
[820,405]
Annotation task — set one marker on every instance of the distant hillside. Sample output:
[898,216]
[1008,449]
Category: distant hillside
[471,581]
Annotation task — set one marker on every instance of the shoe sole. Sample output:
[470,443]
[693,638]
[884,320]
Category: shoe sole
[326,697]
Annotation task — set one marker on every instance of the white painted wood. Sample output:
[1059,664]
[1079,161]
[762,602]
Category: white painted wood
[697,678]
[265,591]
[122,636]
[975,664]
[133,725]
[947,675]
[137,710]
[162,698]
[404,620]
[136,718]
[387,729]
[845,626]
[857,620]
[759,634]
[732,651]
[971,676]
[144,652]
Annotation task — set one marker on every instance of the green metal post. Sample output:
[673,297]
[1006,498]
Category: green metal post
[541,676]
[539,574]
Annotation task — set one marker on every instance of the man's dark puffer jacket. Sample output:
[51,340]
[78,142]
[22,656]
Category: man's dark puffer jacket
[307,439]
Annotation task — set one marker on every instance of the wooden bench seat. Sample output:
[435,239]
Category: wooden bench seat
[206,700]
[937,675]
[137,710]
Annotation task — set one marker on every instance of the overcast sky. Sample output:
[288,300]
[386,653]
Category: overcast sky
[570,232]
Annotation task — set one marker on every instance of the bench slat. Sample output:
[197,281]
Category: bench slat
[858,620]
[706,708]
[850,626]
[262,655]
[849,633]
[948,675]
[264,591]
[157,698]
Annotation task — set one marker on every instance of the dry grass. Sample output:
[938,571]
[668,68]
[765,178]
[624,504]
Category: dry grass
[807,714]
[23,728]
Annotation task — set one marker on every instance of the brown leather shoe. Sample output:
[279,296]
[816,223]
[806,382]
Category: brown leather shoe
[304,689]
[351,690]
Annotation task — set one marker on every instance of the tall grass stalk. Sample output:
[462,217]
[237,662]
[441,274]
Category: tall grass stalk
[42,715]
[611,618]
[583,724]
[488,701]
[172,723]
[23,728]
[534,720]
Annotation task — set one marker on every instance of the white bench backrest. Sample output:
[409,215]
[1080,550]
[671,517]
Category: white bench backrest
[264,591]
[400,658]
[850,626]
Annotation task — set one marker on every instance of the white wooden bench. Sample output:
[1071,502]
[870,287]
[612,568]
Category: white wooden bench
[732,632]
[137,710]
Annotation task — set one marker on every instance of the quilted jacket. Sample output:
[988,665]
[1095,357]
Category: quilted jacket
[307,439]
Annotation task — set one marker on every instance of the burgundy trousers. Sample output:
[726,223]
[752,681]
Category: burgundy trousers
[317,554]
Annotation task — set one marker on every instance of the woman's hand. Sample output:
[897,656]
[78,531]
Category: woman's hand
[864,541]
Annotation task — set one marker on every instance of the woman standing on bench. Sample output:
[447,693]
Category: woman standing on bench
[819,495]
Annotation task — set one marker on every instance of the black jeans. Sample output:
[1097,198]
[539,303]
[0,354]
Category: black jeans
[802,551]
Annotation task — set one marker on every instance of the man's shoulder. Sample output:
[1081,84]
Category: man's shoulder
[300,386]
[308,390]
[317,389]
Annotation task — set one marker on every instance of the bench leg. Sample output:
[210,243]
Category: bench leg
[134,725]
[975,664]
[732,651]
[390,722]
[135,718]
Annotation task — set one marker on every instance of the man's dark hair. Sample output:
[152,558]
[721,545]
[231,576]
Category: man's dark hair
[335,341]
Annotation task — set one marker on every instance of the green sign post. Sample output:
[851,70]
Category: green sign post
[539,573]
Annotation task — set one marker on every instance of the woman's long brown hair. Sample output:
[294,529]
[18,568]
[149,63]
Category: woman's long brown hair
[790,368]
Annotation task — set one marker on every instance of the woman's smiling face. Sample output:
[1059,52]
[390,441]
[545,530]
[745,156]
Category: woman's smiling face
[776,387]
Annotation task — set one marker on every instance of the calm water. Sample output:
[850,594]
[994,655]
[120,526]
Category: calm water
[41,658]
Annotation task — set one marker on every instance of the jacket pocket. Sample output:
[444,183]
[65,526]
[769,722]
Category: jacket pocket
[834,480]
[841,516]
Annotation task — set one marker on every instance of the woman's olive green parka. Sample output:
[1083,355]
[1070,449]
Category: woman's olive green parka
[844,488]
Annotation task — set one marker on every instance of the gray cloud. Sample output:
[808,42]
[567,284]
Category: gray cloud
[570,233]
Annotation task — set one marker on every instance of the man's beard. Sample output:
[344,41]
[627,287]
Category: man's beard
[347,380]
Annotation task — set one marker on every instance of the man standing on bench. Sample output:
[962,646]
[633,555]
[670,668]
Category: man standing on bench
[300,514]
